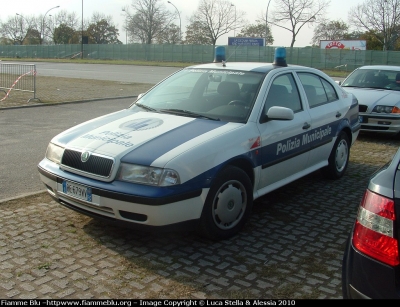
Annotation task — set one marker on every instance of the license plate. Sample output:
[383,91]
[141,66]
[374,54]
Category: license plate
[77,191]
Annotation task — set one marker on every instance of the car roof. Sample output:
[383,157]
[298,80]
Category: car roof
[381,67]
[246,66]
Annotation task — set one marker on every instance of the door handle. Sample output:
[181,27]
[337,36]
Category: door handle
[306,126]
[338,114]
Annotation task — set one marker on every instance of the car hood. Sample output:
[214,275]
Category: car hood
[371,97]
[140,137]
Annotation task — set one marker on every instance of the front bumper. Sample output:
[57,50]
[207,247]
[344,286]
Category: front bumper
[129,210]
[380,123]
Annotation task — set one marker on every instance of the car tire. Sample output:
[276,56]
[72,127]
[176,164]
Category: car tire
[339,158]
[228,204]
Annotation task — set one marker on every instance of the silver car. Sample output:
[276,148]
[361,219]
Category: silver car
[377,88]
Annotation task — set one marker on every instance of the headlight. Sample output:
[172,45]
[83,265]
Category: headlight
[54,153]
[148,175]
[386,109]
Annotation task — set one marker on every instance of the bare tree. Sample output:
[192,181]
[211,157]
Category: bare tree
[69,19]
[61,19]
[170,35]
[149,19]
[379,16]
[293,15]
[217,17]
[329,30]
[16,28]
[33,30]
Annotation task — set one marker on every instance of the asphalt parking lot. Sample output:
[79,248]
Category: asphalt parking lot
[291,248]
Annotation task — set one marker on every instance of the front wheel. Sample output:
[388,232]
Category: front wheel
[228,204]
[339,158]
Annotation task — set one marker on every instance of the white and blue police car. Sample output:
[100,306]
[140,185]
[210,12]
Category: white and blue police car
[198,148]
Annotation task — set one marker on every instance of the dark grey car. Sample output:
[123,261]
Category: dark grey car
[371,259]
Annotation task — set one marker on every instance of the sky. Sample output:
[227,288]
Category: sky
[338,9]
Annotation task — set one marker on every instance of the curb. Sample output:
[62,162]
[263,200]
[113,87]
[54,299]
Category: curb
[67,102]
[22,196]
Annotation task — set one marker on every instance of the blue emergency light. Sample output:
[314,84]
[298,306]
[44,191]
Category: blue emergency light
[280,56]
[219,54]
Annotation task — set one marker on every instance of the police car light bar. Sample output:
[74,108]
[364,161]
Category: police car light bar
[219,54]
[280,56]
[279,60]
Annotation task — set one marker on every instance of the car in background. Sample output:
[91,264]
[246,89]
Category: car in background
[195,150]
[370,267]
[377,88]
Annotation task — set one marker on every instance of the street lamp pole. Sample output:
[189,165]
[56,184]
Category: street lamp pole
[180,21]
[42,34]
[82,34]
[22,17]
[126,26]
[234,29]
[384,26]
[266,24]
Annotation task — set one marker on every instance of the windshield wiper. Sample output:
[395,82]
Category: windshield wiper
[352,86]
[364,86]
[188,113]
[146,107]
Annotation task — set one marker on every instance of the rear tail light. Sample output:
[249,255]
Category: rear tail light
[374,230]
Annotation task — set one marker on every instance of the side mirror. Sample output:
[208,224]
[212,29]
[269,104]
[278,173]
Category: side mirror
[279,113]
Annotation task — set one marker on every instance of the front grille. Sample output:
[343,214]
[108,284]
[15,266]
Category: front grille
[362,108]
[374,128]
[96,165]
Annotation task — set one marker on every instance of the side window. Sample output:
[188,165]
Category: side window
[283,93]
[330,91]
[318,90]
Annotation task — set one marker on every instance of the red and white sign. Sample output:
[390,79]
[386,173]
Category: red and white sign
[343,44]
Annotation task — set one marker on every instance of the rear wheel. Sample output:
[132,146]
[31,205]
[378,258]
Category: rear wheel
[339,158]
[228,204]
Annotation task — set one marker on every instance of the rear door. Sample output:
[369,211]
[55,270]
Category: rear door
[326,111]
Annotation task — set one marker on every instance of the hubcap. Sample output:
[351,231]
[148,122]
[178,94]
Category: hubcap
[229,205]
[342,153]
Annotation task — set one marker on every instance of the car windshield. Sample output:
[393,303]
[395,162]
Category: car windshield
[374,78]
[216,94]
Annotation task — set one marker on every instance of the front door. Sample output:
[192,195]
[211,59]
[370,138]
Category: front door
[284,156]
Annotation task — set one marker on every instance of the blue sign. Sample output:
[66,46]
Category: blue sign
[246,41]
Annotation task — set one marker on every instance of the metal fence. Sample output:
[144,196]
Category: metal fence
[18,77]
[341,59]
